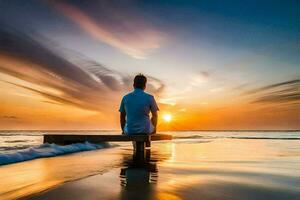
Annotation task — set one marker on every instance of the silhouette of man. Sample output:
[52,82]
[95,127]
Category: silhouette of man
[135,109]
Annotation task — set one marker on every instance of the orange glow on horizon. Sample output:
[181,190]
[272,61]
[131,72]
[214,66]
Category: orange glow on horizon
[24,109]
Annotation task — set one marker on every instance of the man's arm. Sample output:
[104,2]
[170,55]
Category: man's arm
[122,114]
[154,109]
[122,120]
[154,120]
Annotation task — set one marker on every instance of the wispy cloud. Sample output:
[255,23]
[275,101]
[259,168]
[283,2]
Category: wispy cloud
[200,77]
[82,83]
[283,92]
[206,74]
[127,32]
[12,117]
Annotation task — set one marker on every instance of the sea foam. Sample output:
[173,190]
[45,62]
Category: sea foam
[48,150]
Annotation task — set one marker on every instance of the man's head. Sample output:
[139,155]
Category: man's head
[140,82]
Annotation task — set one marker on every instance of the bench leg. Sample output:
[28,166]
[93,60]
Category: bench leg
[140,147]
[141,158]
[148,144]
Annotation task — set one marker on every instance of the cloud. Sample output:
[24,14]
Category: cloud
[206,74]
[283,92]
[118,26]
[10,117]
[81,82]
[241,87]
[201,77]
[52,97]
[218,89]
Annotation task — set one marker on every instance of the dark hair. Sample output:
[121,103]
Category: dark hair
[140,81]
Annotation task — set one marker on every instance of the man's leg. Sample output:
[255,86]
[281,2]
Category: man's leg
[148,144]
[152,131]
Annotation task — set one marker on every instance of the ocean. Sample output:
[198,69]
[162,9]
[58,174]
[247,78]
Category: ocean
[18,146]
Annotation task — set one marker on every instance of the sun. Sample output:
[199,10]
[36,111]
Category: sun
[167,117]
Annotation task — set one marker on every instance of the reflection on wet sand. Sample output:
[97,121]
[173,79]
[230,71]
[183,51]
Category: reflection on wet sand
[139,174]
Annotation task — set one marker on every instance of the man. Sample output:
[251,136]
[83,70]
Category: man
[135,109]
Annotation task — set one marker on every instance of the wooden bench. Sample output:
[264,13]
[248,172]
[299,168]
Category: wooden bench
[140,140]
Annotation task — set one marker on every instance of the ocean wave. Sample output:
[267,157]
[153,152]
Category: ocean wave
[48,150]
[15,141]
[14,148]
[195,137]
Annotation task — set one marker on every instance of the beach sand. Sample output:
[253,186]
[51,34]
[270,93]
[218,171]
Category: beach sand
[27,178]
[180,169]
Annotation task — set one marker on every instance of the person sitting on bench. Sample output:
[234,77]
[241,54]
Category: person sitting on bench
[135,109]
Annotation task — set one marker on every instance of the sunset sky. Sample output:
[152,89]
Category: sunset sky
[210,64]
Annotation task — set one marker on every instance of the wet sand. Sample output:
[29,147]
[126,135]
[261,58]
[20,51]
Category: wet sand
[190,169]
[21,180]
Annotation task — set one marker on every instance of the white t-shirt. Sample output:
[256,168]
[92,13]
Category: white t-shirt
[137,106]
